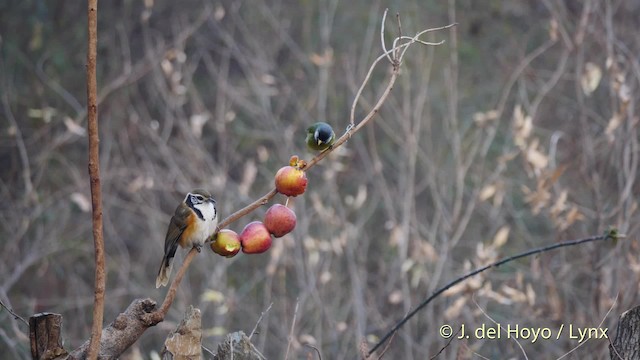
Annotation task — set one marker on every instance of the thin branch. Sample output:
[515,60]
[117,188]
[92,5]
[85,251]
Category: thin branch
[386,348]
[293,325]
[259,320]
[444,347]
[158,315]
[384,45]
[248,209]
[94,178]
[208,351]
[15,316]
[615,301]
[316,349]
[515,339]
[395,61]
[609,235]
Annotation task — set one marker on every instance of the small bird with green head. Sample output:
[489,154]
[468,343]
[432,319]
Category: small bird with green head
[320,136]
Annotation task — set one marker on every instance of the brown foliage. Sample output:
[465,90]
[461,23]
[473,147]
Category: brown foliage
[505,139]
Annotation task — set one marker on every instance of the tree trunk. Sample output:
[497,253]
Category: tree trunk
[627,342]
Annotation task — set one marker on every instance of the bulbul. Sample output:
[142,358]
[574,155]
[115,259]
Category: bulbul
[194,220]
[320,136]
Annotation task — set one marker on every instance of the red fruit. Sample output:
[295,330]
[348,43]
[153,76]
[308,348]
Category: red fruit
[291,181]
[226,243]
[255,238]
[279,220]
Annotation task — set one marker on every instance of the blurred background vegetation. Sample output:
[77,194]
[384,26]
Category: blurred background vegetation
[518,132]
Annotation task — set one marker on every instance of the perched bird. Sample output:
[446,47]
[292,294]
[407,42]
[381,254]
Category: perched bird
[320,136]
[194,220]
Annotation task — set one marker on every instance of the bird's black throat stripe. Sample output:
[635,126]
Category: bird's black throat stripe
[195,210]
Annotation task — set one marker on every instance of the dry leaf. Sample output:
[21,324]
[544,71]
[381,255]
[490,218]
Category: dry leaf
[396,236]
[407,265]
[514,294]
[219,13]
[614,123]
[481,119]
[268,79]
[499,298]
[553,30]
[536,199]
[455,289]
[531,295]
[248,177]
[308,339]
[81,201]
[325,59]
[325,277]
[73,127]
[522,125]
[426,252]
[501,237]
[624,93]
[197,122]
[487,192]
[140,182]
[560,205]
[213,296]
[572,216]
[590,78]
[454,310]
[395,297]
[357,201]
[536,158]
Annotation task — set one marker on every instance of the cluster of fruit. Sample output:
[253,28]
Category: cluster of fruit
[279,220]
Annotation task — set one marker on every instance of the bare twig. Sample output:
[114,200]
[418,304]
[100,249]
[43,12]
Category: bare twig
[395,61]
[259,320]
[15,316]
[248,209]
[293,325]
[615,301]
[158,315]
[524,353]
[208,350]
[94,178]
[386,348]
[316,349]
[384,45]
[445,346]
[609,235]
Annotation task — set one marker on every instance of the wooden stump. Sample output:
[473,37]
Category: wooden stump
[184,343]
[44,333]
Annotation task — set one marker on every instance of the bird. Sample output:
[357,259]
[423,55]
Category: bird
[194,220]
[320,136]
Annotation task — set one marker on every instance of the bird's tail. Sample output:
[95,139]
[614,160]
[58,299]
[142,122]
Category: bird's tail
[164,272]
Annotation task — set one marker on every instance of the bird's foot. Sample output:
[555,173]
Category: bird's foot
[198,247]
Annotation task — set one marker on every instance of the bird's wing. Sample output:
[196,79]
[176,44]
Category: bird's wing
[176,228]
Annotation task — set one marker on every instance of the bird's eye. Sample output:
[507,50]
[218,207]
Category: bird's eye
[196,199]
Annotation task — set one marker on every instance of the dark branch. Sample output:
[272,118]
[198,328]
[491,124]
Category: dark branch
[609,235]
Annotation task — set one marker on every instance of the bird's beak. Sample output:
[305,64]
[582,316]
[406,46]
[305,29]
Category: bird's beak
[319,141]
